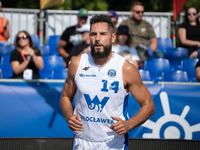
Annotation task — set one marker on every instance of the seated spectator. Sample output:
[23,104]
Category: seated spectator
[4,27]
[25,59]
[114,17]
[189,32]
[197,67]
[83,47]
[123,46]
[142,32]
[70,37]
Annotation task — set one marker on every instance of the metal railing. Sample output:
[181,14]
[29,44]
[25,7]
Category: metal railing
[21,19]
[54,22]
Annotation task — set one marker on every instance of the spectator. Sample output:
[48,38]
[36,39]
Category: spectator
[114,17]
[197,67]
[70,36]
[26,60]
[4,27]
[189,32]
[123,45]
[83,47]
[142,32]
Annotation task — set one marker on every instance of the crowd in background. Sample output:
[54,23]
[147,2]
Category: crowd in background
[135,40]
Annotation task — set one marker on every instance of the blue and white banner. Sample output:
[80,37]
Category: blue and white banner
[31,109]
[176,117]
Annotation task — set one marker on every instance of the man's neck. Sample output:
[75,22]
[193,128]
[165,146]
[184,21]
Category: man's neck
[136,21]
[77,26]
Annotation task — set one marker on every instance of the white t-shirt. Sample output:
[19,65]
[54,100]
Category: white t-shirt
[129,53]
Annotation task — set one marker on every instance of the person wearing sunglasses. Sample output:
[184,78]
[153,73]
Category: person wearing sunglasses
[142,32]
[26,59]
[189,32]
[4,27]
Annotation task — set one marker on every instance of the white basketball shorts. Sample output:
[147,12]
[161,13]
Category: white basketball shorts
[111,144]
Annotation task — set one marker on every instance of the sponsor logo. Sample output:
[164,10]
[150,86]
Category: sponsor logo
[86,68]
[87,75]
[96,103]
[93,119]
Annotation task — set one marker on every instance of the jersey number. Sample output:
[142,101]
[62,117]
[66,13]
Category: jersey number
[113,86]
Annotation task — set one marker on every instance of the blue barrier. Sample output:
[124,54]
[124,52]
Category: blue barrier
[31,109]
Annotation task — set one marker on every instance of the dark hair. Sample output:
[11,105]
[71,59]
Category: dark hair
[102,18]
[128,42]
[136,3]
[186,14]
[17,46]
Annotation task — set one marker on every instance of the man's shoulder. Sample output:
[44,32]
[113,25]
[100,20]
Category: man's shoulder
[144,22]
[68,32]
[129,68]
[70,28]
[126,21]
[80,46]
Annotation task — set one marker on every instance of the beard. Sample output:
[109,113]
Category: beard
[99,54]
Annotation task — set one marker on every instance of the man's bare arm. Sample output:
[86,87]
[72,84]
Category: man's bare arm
[67,97]
[154,44]
[138,90]
[61,50]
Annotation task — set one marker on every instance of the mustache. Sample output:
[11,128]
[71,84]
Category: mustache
[97,43]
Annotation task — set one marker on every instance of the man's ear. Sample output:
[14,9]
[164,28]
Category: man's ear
[131,12]
[113,37]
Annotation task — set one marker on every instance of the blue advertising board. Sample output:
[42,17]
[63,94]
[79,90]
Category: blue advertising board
[177,114]
[31,109]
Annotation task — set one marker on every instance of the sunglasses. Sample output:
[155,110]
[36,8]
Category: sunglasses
[138,12]
[23,37]
[189,13]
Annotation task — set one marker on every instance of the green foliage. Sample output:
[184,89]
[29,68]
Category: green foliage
[102,5]
[195,3]
[89,4]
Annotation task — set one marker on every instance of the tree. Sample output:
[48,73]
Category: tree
[102,5]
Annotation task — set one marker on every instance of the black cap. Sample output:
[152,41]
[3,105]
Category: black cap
[123,30]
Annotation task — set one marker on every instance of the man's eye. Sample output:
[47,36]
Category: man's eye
[103,33]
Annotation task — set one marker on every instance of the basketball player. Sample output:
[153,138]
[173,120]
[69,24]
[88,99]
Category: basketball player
[102,81]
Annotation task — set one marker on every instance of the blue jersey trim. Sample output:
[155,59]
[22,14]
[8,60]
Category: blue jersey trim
[126,142]
[125,114]
[125,107]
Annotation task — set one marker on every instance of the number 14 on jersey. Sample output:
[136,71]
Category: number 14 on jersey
[113,86]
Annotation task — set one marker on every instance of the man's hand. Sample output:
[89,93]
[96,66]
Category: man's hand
[120,127]
[75,124]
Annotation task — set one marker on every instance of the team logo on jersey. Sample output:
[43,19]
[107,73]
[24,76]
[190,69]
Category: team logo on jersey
[111,73]
[86,68]
[96,102]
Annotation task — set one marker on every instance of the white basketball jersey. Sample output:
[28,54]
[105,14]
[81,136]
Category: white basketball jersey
[100,95]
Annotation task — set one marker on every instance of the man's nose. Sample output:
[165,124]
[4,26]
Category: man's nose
[97,37]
